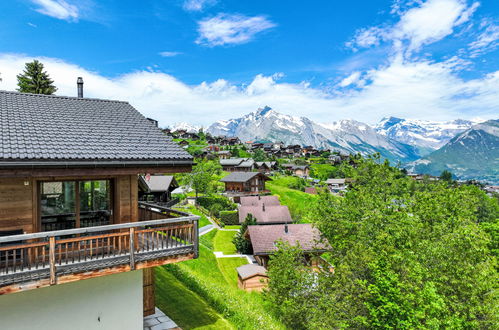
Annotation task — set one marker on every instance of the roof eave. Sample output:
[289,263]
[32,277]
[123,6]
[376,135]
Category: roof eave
[94,164]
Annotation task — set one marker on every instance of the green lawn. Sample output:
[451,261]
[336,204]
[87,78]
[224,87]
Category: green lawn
[297,201]
[183,306]
[232,227]
[203,221]
[228,268]
[223,242]
[207,239]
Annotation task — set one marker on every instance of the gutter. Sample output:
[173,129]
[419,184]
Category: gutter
[92,164]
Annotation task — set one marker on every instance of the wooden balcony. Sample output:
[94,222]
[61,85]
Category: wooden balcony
[41,259]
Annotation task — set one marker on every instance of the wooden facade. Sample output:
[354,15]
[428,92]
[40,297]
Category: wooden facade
[257,282]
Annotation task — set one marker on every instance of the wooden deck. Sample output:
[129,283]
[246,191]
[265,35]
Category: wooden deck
[48,258]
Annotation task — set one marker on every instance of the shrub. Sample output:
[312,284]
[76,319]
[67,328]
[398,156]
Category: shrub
[208,201]
[242,244]
[229,217]
[215,209]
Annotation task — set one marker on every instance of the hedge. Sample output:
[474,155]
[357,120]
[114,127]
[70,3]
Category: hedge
[229,217]
[208,201]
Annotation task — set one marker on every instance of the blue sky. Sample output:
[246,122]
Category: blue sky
[202,60]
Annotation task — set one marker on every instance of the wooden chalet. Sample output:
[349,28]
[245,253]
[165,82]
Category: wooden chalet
[297,170]
[245,183]
[157,188]
[70,213]
[237,164]
[251,277]
[263,239]
[265,167]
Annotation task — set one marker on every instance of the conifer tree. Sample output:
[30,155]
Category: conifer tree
[34,80]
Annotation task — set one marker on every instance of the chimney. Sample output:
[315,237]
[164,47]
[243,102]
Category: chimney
[79,84]
[286,228]
[263,207]
[259,197]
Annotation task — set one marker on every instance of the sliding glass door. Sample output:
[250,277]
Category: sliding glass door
[75,204]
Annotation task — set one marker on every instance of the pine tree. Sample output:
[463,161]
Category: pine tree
[34,80]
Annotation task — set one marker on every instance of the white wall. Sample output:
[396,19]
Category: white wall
[115,299]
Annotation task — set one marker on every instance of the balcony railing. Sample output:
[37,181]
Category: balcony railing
[48,258]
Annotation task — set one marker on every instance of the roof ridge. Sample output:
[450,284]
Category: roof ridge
[63,97]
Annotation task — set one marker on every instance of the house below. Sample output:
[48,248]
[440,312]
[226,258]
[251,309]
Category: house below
[302,171]
[238,164]
[336,185]
[263,239]
[259,200]
[224,154]
[265,167]
[266,214]
[156,188]
[252,277]
[245,183]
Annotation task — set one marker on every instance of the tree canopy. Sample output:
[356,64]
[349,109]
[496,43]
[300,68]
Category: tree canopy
[34,80]
[406,255]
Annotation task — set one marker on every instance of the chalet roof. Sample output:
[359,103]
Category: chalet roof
[250,270]
[266,214]
[259,200]
[335,181]
[232,161]
[157,183]
[54,130]
[267,164]
[242,176]
[263,238]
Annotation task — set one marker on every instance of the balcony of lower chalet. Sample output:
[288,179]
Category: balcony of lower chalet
[36,260]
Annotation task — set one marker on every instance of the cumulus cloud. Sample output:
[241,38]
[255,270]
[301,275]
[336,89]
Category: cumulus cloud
[422,24]
[488,40]
[198,5]
[169,54]
[226,29]
[423,90]
[59,9]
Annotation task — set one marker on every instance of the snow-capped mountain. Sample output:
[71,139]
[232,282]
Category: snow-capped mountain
[427,136]
[185,126]
[347,136]
[472,154]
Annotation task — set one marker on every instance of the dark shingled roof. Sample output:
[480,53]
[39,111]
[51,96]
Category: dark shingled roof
[263,238]
[241,176]
[42,128]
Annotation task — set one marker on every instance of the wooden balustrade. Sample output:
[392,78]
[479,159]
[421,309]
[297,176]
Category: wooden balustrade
[49,255]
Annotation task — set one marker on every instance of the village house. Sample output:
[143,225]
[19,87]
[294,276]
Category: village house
[266,167]
[302,171]
[76,246]
[251,277]
[157,188]
[224,154]
[237,164]
[336,185]
[245,183]
[268,200]
[263,240]
[265,214]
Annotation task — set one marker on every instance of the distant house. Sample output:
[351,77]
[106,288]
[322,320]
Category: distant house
[156,188]
[336,185]
[184,143]
[237,164]
[252,277]
[265,214]
[245,183]
[259,200]
[224,154]
[263,239]
[266,167]
[297,170]
[311,190]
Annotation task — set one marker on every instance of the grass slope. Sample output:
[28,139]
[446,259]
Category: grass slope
[183,306]
[203,221]
[228,268]
[297,201]
[223,242]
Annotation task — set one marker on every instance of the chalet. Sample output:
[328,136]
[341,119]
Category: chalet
[245,183]
[263,239]
[251,277]
[184,143]
[265,167]
[76,246]
[336,185]
[238,164]
[224,154]
[259,200]
[157,188]
[297,170]
[265,214]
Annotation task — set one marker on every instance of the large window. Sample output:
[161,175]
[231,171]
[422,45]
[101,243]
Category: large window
[75,204]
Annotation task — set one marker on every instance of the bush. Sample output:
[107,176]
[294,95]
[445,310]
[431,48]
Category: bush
[229,217]
[215,209]
[208,201]
[243,245]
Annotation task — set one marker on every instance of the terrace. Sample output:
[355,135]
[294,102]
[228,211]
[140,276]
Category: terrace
[47,258]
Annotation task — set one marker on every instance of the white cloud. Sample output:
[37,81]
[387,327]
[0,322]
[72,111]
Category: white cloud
[169,54]
[354,78]
[197,5]
[487,41]
[422,90]
[225,29]
[422,24]
[58,9]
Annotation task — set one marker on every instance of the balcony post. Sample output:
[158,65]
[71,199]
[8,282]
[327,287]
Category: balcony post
[196,240]
[52,260]
[132,248]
